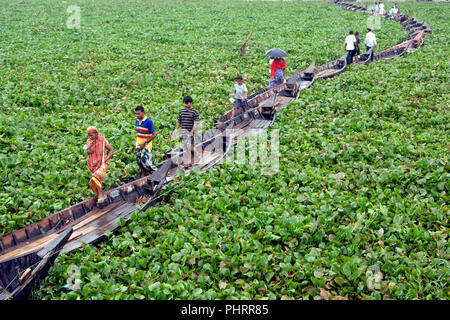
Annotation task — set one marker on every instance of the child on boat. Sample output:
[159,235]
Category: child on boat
[240,95]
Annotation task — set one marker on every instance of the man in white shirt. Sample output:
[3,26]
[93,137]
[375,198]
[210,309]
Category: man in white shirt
[371,41]
[381,9]
[350,46]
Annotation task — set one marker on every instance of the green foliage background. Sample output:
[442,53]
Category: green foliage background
[364,151]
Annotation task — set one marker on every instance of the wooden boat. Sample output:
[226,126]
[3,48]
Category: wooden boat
[88,221]
[423,27]
[408,21]
[299,81]
[350,6]
[418,31]
[20,274]
[416,42]
[294,84]
[392,52]
[363,58]
[401,18]
[356,8]
[331,69]
[413,25]
[254,100]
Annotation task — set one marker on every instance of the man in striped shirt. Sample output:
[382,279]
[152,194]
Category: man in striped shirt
[145,133]
[188,120]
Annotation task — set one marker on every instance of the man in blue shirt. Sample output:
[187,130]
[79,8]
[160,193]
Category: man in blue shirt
[145,133]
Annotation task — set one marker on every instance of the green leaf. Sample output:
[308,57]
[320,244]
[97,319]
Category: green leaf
[180,172]
[268,276]
[347,269]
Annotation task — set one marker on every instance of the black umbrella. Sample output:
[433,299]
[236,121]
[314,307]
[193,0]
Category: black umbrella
[276,53]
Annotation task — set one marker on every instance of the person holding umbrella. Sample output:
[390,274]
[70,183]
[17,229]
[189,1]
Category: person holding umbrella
[277,68]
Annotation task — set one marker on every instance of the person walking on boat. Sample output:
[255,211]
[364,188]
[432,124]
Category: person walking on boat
[277,72]
[381,9]
[240,96]
[350,46]
[98,160]
[391,13]
[396,10]
[357,51]
[375,8]
[188,120]
[145,133]
[370,41]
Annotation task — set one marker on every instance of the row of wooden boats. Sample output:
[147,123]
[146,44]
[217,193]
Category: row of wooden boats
[417,31]
[27,254]
[350,6]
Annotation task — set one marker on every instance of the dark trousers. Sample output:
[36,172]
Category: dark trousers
[350,55]
[371,56]
[240,105]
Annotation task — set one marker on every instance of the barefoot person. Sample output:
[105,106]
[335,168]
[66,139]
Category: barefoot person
[188,119]
[145,133]
[98,160]
[240,97]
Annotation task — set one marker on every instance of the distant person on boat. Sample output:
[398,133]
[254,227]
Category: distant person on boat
[98,160]
[396,10]
[350,46]
[357,51]
[381,9]
[240,96]
[188,120]
[375,8]
[391,13]
[370,41]
[145,133]
[277,72]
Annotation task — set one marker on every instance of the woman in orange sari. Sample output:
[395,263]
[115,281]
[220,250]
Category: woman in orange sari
[98,160]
